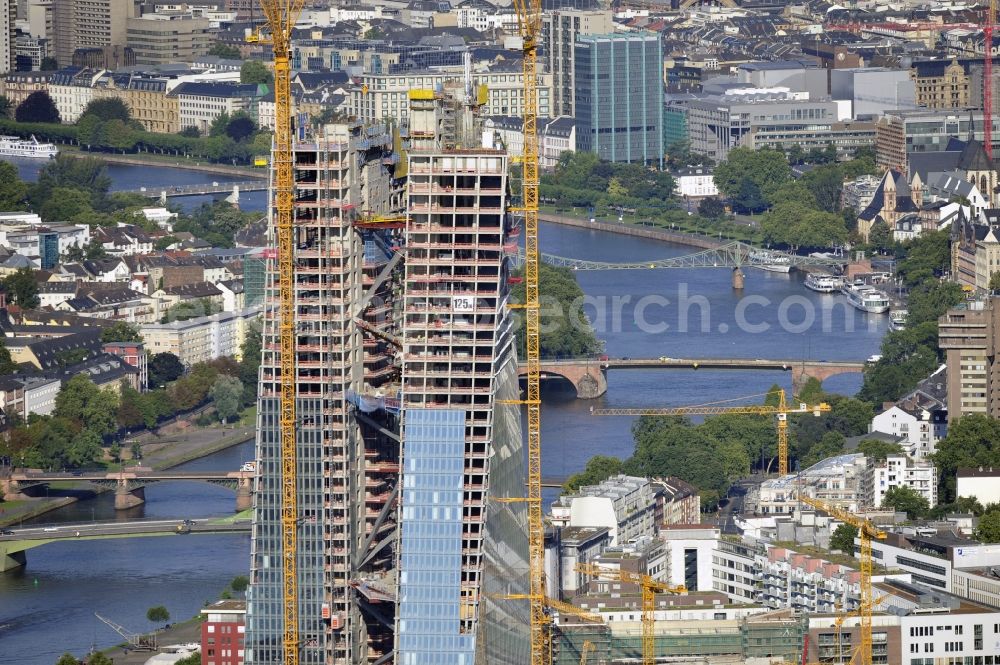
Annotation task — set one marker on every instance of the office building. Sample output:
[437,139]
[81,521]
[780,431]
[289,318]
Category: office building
[718,123]
[89,24]
[199,104]
[796,75]
[619,96]
[222,633]
[348,452]
[902,133]
[159,39]
[40,19]
[930,557]
[968,336]
[8,45]
[872,91]
[689,550]
[462,444]
[560,30]
[941,84]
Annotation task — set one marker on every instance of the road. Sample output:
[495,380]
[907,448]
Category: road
[118,528]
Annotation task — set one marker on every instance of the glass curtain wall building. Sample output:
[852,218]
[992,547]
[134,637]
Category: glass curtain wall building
[619,96]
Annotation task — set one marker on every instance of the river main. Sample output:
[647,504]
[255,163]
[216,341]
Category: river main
[47,608]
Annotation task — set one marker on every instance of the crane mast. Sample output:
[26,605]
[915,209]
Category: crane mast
[529,19]
[991,19]
[281,16]
[866,531]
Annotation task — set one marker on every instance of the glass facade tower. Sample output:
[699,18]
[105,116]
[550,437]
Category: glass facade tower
[619,96]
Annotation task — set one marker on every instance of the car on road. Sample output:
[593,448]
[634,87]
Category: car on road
[50,529]
[665,359]
[6,532]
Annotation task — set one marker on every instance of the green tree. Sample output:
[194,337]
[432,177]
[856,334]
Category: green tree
[82,402]
[225,51]
[599,467]
[130,414]
[67,659]
[240,584]
[907,500]
[227,394]
[107,108]
[5,107]
[843,538]
[120,331]
[48,64]
[190,132]
[157,614]
[13,191]
[164,368]
[988,529]
[566,333]
[616,189]
[250,353]
[7,364]
[994,284]
[712,208]
[136,450]
[766,169]
[255,71]
[241,126]
[972,441]
[218,127]
[880,235]
[924,257]
[65,205]
[22,289]
[89,175]
[37,107]
[193,659]
[830,445]
[84,449]
[877,450]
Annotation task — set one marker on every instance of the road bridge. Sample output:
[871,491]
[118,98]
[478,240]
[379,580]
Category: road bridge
[129,483]
[232,188]
[735,255]
[14,542]
[589,376]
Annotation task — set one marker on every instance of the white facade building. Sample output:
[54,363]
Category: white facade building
[695,182]
[921,428]
[899,471]
[982,483]
[689,554]
[202,338]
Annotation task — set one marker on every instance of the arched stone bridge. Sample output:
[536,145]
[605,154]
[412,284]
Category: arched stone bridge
[129,484]
[589,376]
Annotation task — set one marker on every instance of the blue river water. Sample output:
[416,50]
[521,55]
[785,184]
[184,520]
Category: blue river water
[47,608]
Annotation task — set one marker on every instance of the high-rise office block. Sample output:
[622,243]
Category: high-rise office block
[348,453]
[619,96]
[8,52]
[461,552]
[163,39]
[559,32]
[89,24]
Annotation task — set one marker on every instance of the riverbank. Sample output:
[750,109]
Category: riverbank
[184,632]
[172,161]
[630,229]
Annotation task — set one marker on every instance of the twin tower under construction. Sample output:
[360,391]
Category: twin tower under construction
[406,374]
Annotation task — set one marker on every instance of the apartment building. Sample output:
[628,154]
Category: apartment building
[967,334]
[898,471]
[619,96]
[735,569]
[568,547]
[835,480]
[386,96]
[348,421]
[458,557]
[626,505]
[71,89]
[89,24]
[201,338]
[689,549]
[146,98]
[16,86]
[981,483]
[805,583]
[560,29]
[159,39]
[921,428]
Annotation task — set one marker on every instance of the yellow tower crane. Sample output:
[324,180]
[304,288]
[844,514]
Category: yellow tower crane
[281,16]
[782,409]
[588,648]
[529,20]
[866,531]
[649,588]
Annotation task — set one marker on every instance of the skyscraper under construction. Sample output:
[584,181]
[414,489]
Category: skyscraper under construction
[403,334]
